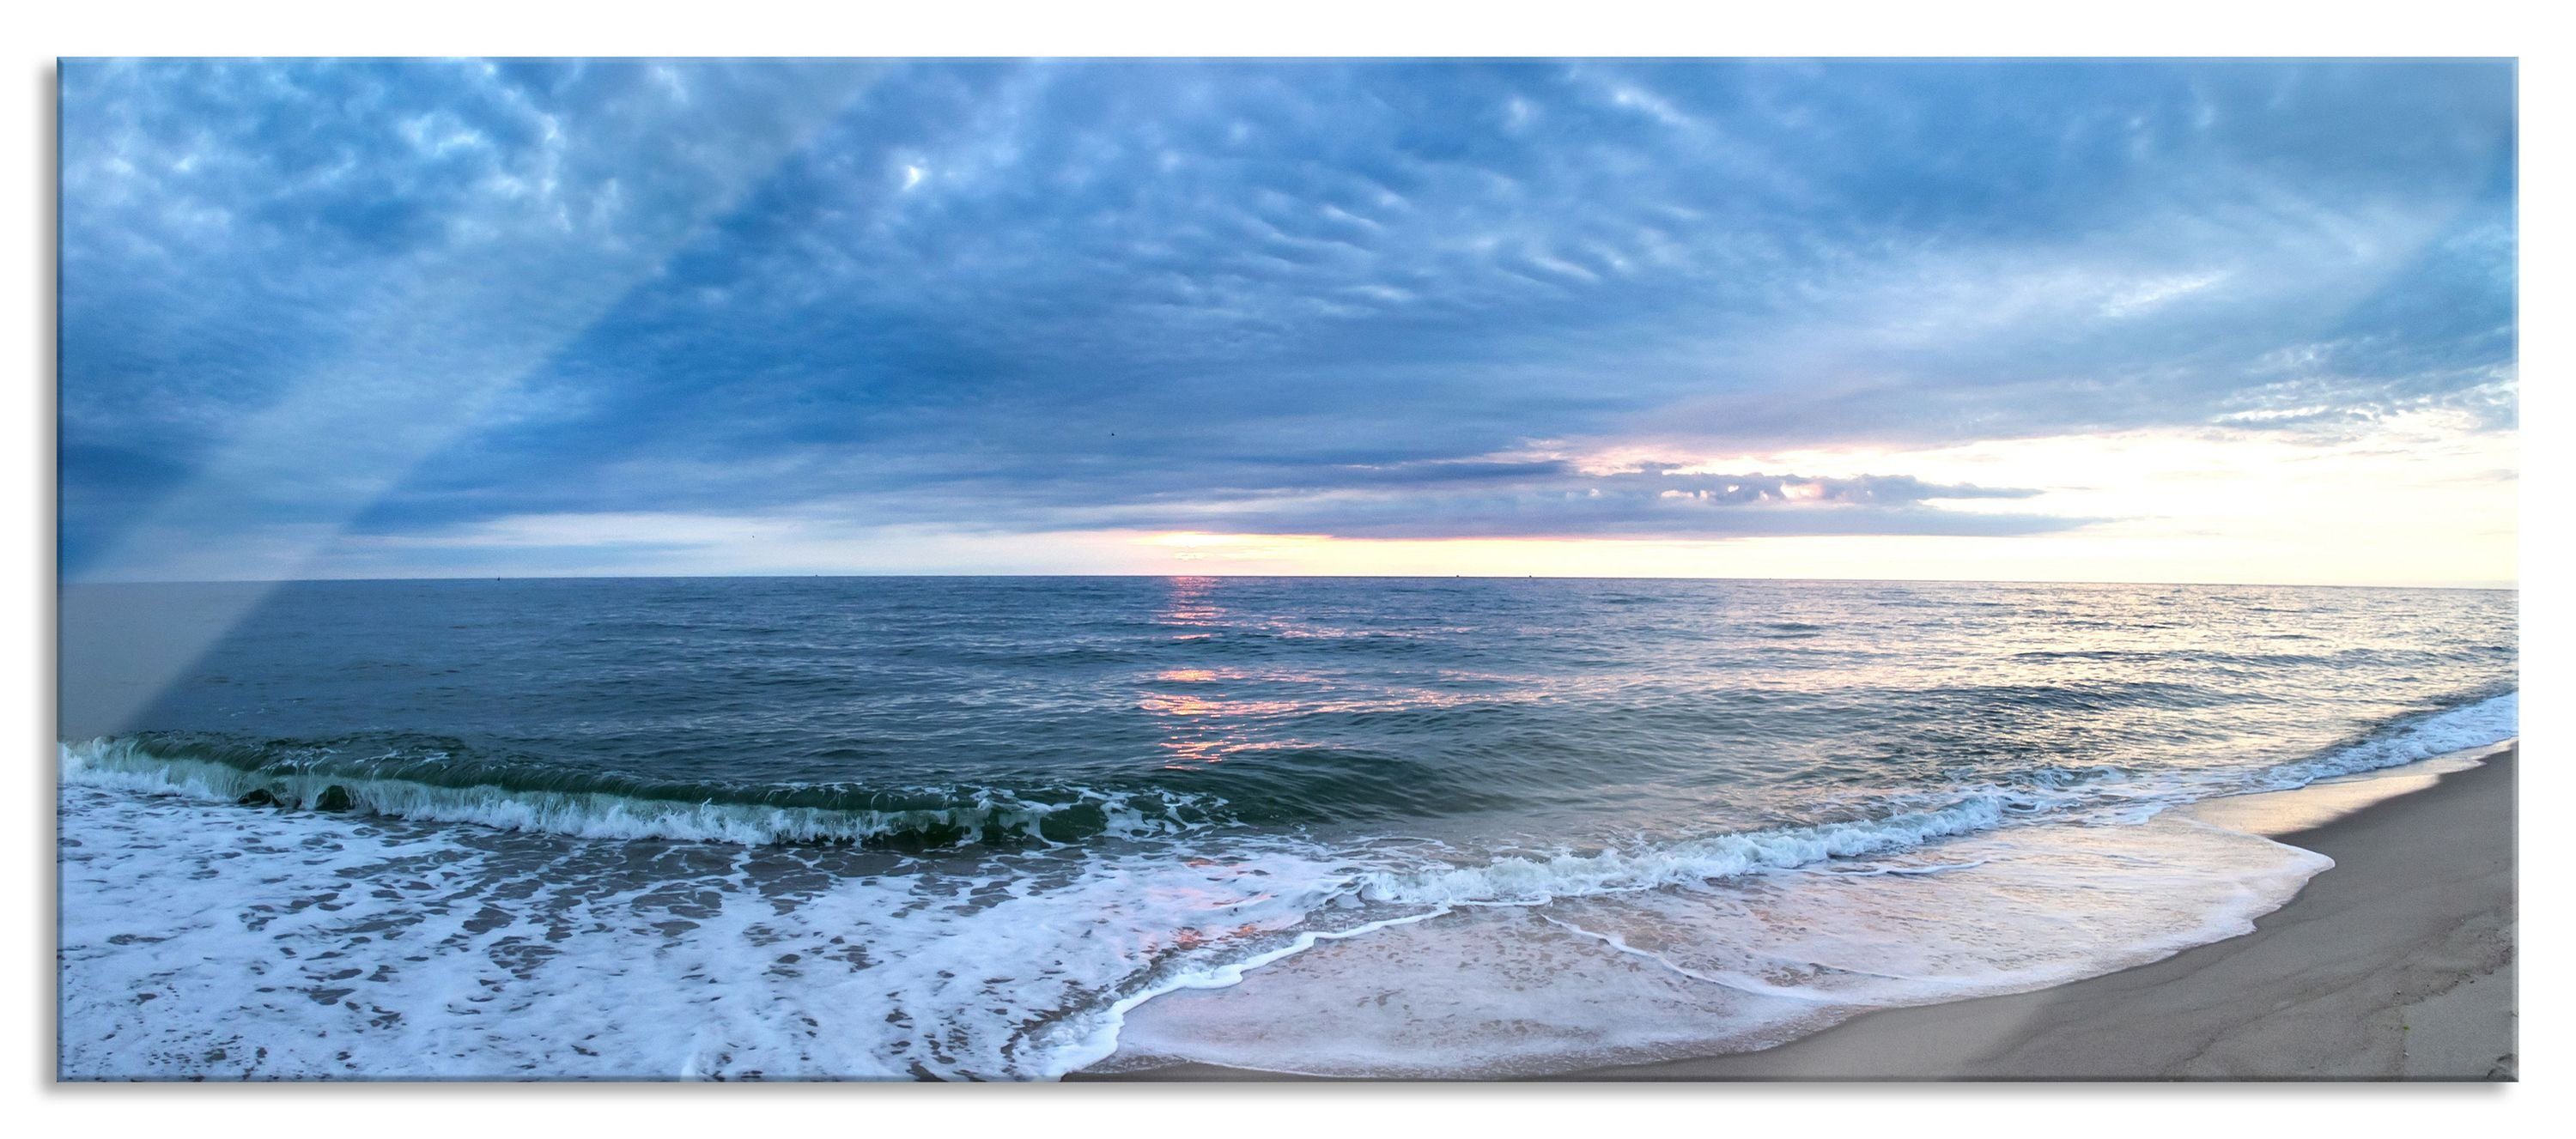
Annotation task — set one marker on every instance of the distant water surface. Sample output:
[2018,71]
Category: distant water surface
[1004,828]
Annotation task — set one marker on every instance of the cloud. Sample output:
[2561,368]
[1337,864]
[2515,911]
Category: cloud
[1544,500]
[413,298]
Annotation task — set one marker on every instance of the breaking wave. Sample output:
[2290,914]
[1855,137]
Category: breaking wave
[557,803]
[434,786]
[1532,880]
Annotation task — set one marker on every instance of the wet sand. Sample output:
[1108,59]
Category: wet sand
[2397,963]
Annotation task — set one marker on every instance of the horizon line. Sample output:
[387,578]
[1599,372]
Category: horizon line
[2513,586]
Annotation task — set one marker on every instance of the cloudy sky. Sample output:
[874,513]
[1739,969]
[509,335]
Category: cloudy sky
[2219,321]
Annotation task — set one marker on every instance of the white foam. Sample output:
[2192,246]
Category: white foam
[200,938]
[209,940]
[1627,957]
[1636,976]
[2488,721]
[1522,879]
[133,766]
[1102,1040]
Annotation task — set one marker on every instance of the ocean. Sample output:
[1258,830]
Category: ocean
[1012,828]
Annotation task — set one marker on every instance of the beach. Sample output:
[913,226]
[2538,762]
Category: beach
[2396,963]
[951,828]
[1463,568]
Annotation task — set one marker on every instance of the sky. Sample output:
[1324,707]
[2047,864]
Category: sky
[2225,321]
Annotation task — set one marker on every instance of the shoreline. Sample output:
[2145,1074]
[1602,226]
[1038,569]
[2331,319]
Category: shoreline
[2395,963]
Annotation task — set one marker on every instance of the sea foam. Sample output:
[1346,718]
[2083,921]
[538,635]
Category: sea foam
[977,813]
[200,937]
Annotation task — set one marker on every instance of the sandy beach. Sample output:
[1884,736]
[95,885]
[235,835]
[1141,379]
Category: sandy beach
[2397,963]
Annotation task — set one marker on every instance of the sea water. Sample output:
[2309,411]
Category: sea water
[1010,828]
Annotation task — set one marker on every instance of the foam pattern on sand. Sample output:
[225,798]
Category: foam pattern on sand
[201,938]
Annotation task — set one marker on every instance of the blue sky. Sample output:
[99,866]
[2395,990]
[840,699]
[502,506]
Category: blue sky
[2223,320]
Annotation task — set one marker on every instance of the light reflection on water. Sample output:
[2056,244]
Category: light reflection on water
[1537,782]
[1503,709]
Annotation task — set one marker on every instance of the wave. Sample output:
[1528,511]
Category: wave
[1216,904]
[1521,880]
[612,808]
[2476,724]
[2100,794]
[426,780]
[439,778]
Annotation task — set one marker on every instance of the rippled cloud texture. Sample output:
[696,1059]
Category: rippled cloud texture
[385,319]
